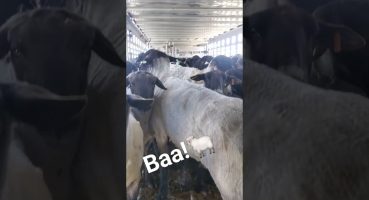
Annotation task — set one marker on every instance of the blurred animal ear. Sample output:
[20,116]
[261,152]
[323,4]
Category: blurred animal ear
[103,47]
[38,106]
[339,38]
[198,77]
[160,84]
[332,34]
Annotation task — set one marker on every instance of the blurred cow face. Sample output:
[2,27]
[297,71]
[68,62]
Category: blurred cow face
[288,39]
[52,48]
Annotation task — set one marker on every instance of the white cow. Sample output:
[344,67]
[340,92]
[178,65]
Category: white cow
[186,109]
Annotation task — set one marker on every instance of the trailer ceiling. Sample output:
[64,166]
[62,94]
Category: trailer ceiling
[186,23]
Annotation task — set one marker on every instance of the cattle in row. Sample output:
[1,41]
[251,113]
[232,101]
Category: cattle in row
[214,76]
[197,62]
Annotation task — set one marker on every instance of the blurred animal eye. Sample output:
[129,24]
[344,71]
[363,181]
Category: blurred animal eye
[16,52]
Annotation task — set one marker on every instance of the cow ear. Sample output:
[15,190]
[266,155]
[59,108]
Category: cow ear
[103,47]
[138,102]
[198,77]
[160,84]
[38,106]
[339,38]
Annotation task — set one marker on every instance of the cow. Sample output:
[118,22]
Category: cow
[72,166]
[51,47]
[288,39]
[142,83]
[187,109]
[302,142]
[350,67]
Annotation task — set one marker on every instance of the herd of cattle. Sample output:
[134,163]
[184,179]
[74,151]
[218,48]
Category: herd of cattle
[197,97]
[306,84]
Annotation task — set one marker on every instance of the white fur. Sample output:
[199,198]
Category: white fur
[134,153]
[186,109]
[185,73]
[200,145]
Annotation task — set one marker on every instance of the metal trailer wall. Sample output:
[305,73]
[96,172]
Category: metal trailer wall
[136,42]
[228,43]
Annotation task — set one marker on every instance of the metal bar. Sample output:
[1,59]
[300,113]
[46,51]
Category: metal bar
[133,8]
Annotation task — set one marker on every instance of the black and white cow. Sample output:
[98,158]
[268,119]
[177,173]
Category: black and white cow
[288,39]
[350,67]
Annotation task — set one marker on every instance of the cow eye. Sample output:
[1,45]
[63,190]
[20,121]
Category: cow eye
[16,52]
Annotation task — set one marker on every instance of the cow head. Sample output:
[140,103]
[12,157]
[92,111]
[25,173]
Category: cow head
[52,48]
[221,63]
[288,39]
[204,62]
[147,60]
[143,83]
[214,80]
